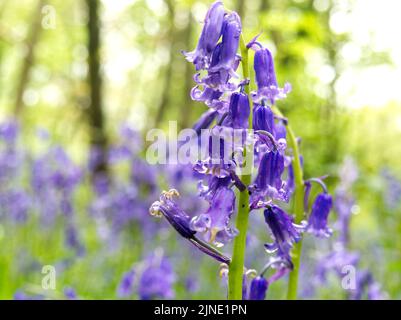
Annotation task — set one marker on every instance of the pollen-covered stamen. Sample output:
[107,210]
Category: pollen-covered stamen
[251,273]
[169,194]
[223,270]
[154,209]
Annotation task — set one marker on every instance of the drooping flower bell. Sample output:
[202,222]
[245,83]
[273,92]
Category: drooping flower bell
[214,224]
[259,285]
[239,111]
[219,161]
[228,59]
[266,81]
[204,121]
[173,213]
[270,171]
[263,118]
[317,223]
[126,285]
[208,190]
[284,231]
[258,288]
[180,221]
[268,181]
[263,124]
[211,33]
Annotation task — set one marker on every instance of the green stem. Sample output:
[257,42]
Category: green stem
[298,210]
[237,262]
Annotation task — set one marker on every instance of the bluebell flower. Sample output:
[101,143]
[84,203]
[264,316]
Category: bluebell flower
[70,293]
[125,287]
[266,81]
[317,223]
[211,33]
[258,288]
[228,59]
[268,183]
[205,121]
[366,287]
[157,278]
[9,131]
[239,111]
[214,224]
[216,82]
[72,239]
[16,204]
[208,190]
[335,261]
[263,118]
[178,219]
[219,162]
[285,233]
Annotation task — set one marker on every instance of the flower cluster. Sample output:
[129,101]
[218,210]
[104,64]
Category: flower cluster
[229,103]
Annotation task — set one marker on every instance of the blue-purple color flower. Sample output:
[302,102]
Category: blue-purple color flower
[266,81]
[178,219]
[268,183]
[317,223]
[211,33]
[258,288]
[285,233]
[157,278]
[125,287]
[239,111]
[214,224]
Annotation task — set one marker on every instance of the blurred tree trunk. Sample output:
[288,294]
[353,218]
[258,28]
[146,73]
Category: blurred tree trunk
[264,5]
[240,8]
[28,61]
[165,100]
[98,139]
[329,111]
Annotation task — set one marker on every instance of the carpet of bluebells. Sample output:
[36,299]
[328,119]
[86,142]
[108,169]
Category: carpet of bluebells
[103,243]
[97,233]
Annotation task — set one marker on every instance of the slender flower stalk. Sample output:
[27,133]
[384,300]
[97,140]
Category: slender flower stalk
[237,264]
[298,208]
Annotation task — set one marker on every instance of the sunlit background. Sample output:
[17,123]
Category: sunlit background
[343,59]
